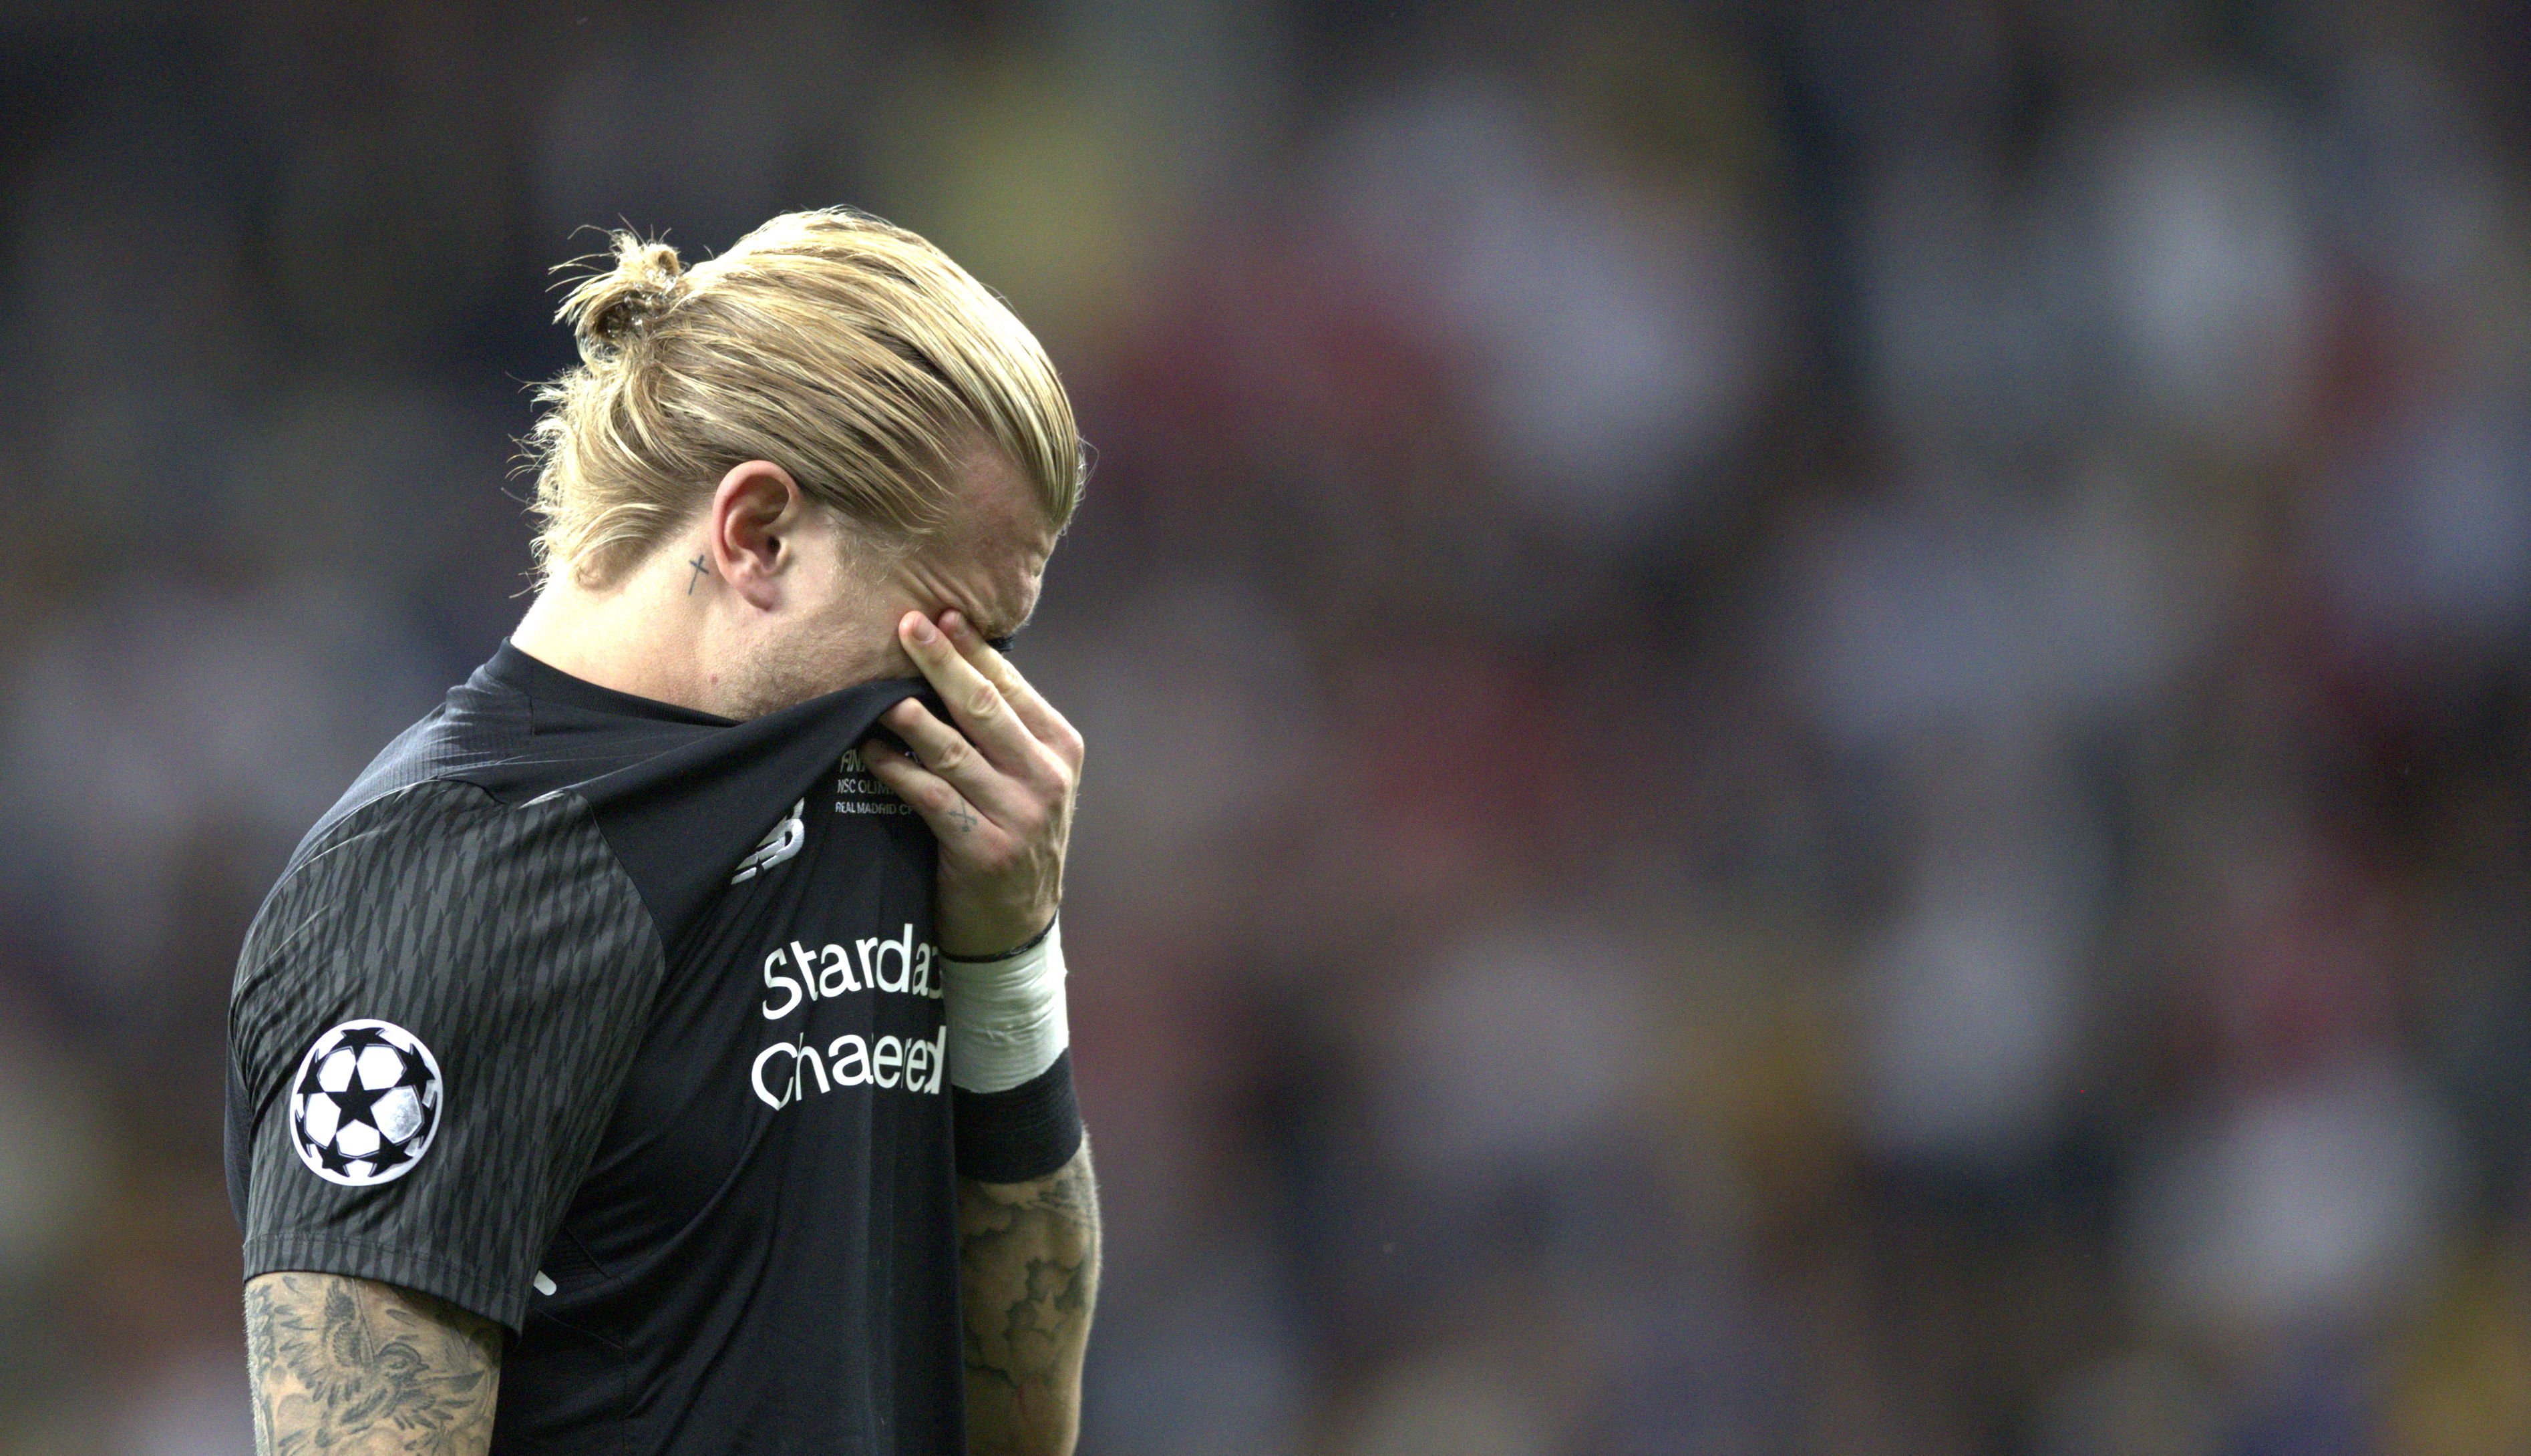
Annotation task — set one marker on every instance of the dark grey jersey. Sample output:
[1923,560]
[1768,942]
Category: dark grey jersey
[618,1024]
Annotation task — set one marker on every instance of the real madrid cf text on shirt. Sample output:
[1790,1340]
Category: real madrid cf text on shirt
[621,1024]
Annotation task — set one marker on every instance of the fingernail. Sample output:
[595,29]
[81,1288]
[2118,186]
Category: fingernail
[923,629]
[951,622]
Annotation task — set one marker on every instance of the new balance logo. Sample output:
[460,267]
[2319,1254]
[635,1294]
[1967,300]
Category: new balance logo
[779,843]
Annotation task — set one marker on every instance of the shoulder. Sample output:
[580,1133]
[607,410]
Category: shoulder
[439,878]
[445,841]
[446,912]
[483,725]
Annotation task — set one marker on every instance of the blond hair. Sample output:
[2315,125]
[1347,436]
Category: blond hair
[853,353]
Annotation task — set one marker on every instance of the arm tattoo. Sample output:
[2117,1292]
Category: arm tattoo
[342,1365]
[1027,1268]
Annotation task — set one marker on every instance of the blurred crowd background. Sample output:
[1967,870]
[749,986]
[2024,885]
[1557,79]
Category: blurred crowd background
[1808,719]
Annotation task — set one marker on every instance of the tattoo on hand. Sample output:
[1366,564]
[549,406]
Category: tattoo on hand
[699,570]
[964,818]
[346,1364]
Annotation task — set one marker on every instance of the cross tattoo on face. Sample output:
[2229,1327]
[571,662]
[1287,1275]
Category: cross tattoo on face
[699,567]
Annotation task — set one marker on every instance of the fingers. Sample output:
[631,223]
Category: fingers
[946,754]
[977,705]
[1051,727]
[935,798]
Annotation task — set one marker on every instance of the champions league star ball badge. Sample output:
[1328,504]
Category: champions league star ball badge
[364,1104]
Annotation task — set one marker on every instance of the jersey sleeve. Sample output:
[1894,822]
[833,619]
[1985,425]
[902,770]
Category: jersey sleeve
[431,1023]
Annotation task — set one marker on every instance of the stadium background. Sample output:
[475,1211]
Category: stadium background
[1808,719]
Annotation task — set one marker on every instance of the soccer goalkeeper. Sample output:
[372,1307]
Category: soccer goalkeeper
[661,1047]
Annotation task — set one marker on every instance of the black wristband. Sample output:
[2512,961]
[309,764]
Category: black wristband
[1031,943]
[1021,1134]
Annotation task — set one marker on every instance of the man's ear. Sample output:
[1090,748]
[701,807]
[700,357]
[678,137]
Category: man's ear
[757,511]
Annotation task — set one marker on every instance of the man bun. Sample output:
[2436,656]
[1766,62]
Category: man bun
[611,310]
[851,353]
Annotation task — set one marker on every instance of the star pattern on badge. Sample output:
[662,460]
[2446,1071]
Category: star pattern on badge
[365,1104]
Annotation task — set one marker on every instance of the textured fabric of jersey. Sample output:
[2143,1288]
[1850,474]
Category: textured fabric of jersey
[506,938]
[693,1137]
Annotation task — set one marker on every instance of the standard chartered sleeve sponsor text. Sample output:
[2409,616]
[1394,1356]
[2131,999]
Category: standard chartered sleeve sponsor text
[799,974]
[790,1071]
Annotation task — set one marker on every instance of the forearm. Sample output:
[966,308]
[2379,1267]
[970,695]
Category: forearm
[997,791]
[1027,1266]
[348,1366]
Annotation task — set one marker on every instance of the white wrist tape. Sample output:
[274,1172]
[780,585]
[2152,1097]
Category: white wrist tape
[1006,1018]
